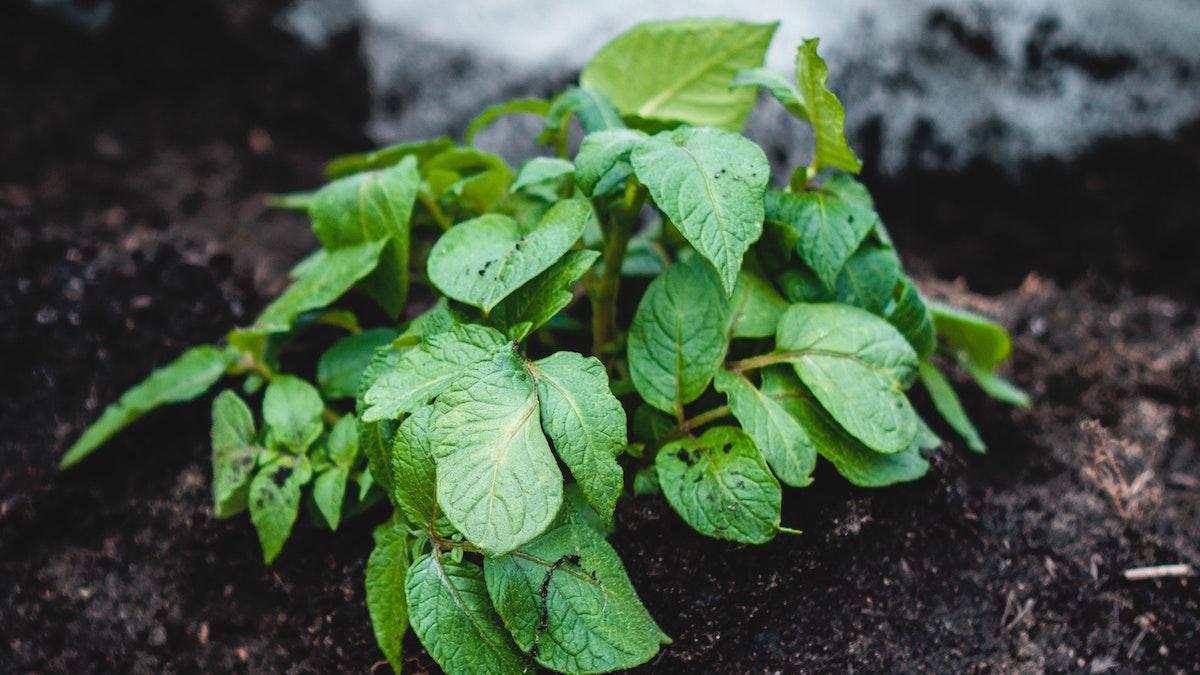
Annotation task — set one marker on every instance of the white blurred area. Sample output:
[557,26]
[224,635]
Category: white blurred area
[925,83]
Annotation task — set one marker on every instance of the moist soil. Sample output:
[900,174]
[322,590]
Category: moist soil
[131,226]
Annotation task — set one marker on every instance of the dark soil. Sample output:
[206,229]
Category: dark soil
[131,227]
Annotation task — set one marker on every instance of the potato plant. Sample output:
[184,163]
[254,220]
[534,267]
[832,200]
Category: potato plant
[775,325]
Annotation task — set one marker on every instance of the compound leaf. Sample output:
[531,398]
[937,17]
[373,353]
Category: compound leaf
[710,183]
[540,298]
[234,454]
[779,437]
[498,482]
[326,279]
[568,601]
[275,500]
[341,366]
[385,580]
[949,406]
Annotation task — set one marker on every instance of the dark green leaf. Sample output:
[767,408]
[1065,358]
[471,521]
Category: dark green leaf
[326,280]
[779,437]
[540,298]
[234,454]
[275,500]
[949,406]
[869,280]
[912,318]
[386,602]
[825,226]
[755,306]
[385,157]
[341,366]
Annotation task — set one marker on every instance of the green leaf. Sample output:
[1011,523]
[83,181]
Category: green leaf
[329,491]
[341,366]
[858,366]
[645,482]
[372,206]
[451,613]
[385,581]
[721,486]
[292,409]
[576,511]
[466,181]
[542,297]
[375,440]
[869,280]
[777,84]
[681,70]
[382,158]
[779,437]
[585,422]
[756,307]
[481,261]
[594,109]
[184,379]
[541,170]
[414,472]
[234,454]
[677,338]
[342,444]
[275,501]
[980,339]
[651,426]
[949,406]
[426,370]
[854,461]
[568,601]
[800,284]
[825,226]
[527,106]
[498,482]
[825,112]
[995,386]
[710,183]
[603,159]
[912,318]
[325,280]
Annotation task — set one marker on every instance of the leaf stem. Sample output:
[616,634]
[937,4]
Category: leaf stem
[755,362]
[434,210]
[620,220]
[704,418]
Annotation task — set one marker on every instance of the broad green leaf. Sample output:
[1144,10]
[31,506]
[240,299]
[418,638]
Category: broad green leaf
[854,461]
[980,339]
[576,511]
[275,501]
[234,454]
[426,370]
[329,491]
[800,284]
[826,226]
[541,170]
[949,406]
[414,472]
[498,482]
[603,159]
[341,366]
[325,281]
[721,486]
[777,84]
[386,601]
[681,70]
[185,378]
[526,106]
[292,409]
[481,261]
[342,444]
[375,440]
[755,307]
[585,422]
[466,181]
[372,206]
[540,298]
[677,338]
[995,386]
[382,158]
[451,613]
[858,366]
[568,602]
[912,318]
[825,112]
[710,183]
[779,437]
[869,280]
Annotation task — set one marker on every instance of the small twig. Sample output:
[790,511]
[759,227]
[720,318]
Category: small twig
[1158,572]
[1025,609]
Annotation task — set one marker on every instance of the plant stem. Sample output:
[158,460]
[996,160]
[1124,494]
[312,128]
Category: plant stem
[434,210]
[704,418]
[758,361]
[605,291]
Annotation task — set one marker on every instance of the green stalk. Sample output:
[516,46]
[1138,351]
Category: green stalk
[605,290]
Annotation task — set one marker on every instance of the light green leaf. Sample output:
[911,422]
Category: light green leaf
[756,307]
[869,280]
[498,482]
[721,486]
[824,112]
[451,613]
[585,422]
[481,261]
[329,491]
[233,453]
[414,472]
[995,386]
[980,339]
[542,297]
[292,409]
[382,158]
[184,379]
[825,226]
[710,183]
[779,437]
[681,70]
[568,601]
[858,366]
[275,501]
[372,206]
[527,106]
[949,406]
[341,366]
[342,444]
[426,370]
[385,580]
[325,281]
[594,109]
[603,159]
[912,318]
[541,170]
[677,338]
[777,84]
[854,461]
